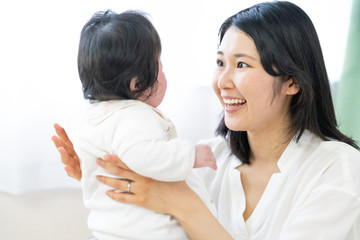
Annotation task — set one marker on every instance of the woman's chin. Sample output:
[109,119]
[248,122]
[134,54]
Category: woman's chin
[234,126]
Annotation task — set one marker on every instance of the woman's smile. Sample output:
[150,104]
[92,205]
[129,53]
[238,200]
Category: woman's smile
[232,104]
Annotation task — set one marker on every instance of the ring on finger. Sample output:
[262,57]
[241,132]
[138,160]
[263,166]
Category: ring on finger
[129,186]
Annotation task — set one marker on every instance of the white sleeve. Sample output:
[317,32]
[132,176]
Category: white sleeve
[141,143]
[331,210]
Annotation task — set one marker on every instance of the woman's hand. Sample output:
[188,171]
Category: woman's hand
[67,152]
[161,197]
[174,198]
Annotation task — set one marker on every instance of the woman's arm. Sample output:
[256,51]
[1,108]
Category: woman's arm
[174,198]
[67,153]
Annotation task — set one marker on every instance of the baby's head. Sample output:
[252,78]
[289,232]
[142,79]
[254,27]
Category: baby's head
[119,58]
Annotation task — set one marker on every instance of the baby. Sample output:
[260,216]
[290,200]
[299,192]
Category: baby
[121,73]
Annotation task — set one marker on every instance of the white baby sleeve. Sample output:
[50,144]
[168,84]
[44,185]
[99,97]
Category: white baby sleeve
[140,141]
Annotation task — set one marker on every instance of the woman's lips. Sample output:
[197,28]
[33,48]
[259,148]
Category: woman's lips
[233,104]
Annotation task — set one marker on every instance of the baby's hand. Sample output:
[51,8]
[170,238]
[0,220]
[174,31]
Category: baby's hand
[204,157]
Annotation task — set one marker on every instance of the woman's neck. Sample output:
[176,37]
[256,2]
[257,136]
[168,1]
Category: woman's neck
[266,147]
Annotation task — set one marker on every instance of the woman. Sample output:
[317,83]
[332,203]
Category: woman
[284,169]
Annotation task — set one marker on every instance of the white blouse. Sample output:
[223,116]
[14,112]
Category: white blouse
[316,195]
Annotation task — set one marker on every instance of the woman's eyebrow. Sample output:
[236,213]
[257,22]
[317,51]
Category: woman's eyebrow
[238,55]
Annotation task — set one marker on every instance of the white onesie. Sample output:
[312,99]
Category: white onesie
[145,140]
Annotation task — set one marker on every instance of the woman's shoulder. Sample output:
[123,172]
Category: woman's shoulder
[346,155]
[341,164]
[328,149]
[339,148]
[340,152]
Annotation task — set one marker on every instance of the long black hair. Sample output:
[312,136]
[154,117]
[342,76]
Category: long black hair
[114,49]
[288,46]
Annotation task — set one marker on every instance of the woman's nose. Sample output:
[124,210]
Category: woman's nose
[225,80]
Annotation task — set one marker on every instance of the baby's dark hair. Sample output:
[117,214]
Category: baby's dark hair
[113,50]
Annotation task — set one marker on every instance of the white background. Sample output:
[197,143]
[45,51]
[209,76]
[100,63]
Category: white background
[40,85]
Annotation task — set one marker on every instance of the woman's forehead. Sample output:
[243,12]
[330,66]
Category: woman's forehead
[237,42]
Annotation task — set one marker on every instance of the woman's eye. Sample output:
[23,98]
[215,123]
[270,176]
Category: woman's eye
[242,65]
[219,63]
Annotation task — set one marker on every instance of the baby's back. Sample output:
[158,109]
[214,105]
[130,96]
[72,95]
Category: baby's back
[92,133]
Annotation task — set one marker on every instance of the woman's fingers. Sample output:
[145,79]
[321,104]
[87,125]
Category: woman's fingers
[67,153]
[116,161]
[68,148]
[60,131]
[71,173]
[72,167]
[118,184]
[65,158]
[58,142]
[71,161]
[137,194]
[123,197]
[118,171]
[62,140]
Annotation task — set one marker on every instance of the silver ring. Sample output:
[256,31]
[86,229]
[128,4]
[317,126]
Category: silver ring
[128,186]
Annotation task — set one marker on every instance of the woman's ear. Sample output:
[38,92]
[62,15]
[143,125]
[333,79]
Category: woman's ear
[292,87]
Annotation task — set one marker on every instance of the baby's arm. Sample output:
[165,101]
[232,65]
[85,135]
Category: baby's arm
[160,159]
[204,157]
[142,143]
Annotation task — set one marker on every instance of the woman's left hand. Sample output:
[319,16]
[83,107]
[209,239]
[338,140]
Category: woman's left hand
[158,196]
[174,198]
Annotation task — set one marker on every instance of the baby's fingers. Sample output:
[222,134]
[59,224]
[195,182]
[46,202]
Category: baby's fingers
[213,165]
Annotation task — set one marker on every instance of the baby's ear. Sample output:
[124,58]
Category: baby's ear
[133,84]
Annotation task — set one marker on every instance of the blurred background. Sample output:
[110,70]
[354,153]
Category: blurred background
[40,85]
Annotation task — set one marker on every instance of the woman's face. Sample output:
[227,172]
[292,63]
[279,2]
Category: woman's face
[245,89]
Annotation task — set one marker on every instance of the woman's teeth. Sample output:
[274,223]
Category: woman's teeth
[234,102]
